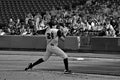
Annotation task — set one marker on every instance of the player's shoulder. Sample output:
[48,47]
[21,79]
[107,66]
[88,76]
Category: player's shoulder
[54,30]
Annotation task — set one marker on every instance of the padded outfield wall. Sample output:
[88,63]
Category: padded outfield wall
[35,42]
[71,43]
[105,44]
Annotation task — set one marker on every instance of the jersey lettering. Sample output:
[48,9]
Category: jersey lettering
[50,35]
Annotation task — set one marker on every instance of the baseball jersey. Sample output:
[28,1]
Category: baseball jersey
[52,36]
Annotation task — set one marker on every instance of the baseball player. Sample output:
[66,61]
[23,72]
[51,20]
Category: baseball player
[52,35]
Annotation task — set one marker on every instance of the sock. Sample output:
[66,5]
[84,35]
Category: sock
[37,62]
[66,63]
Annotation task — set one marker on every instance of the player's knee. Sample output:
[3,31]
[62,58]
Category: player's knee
[65,56]
[45,59]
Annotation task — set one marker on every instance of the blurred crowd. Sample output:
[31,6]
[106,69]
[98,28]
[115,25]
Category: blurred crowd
[93,18]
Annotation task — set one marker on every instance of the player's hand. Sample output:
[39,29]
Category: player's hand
[62,38]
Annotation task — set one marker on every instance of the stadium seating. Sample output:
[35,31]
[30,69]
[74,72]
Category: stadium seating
[18,8]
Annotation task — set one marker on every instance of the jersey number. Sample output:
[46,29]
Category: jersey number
[50,36]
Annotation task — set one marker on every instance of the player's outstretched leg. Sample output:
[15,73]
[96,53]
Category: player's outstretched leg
[31,65]
[67,71]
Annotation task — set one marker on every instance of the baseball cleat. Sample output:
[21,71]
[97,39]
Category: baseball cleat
[28,67]
[67,72]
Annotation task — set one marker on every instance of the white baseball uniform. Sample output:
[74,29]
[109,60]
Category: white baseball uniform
[52,36]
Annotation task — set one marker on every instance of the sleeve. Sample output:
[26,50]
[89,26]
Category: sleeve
[59,33]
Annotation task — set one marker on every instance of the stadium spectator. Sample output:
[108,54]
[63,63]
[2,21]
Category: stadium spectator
[23,30]
[88,17]
[2,32]
[11,23]
[109,29]
[37,19]
[11,26]
[17,27]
